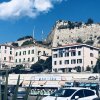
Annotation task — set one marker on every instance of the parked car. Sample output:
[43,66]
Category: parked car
[11,90]
[92,78]
[21,93]
[73,93]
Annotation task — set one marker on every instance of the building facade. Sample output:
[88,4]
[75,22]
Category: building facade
[30,54]
[75,57]
[6,56]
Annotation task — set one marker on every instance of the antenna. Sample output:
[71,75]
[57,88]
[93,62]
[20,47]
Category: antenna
[42,35]
[33,34]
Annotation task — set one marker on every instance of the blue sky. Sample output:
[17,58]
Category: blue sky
[19,17]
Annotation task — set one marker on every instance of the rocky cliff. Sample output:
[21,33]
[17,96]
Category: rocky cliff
[67,32]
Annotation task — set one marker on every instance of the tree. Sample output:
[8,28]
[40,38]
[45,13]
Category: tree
[89,21]
[48,63]
[70,25]
[78,69]
[25,37]
[88,68]
[18,68]
[42,65]
[89,42]
[15,44]
[96,69]
[38,66]
[27,43]
[79,40]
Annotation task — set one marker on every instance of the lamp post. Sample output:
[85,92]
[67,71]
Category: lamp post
[0,89]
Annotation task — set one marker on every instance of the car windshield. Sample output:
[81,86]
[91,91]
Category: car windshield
[63,93]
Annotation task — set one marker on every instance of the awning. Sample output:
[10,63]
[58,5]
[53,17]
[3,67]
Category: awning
[26,83]
[14,82]
[52,84]
[63,78]
[35,84]
[62,82]
[41,82]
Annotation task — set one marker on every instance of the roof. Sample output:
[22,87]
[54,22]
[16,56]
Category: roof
[7,45]
[43,46]
[74,45]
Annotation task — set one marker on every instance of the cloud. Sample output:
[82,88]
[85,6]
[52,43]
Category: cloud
[21,8]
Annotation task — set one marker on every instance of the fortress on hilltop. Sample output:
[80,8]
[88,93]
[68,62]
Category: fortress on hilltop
[67,32]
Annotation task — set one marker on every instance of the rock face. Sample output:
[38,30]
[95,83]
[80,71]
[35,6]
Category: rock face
[66,32]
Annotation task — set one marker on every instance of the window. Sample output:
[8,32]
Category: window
[28,59]
[91,62]
[63,93]
[16,53]
[11,52]
[32,51]
[88,93]
[28,51]
[24,52]
[39,52]
[32,59]
[91,54]
[20,53]
[66,54]
[5,51]
[10,58]
[55,56]
[44,53]
[79,60]
[16,60]
[66,61]
[60,53]
[5,58]
[79,52]
[73,61]
[10,48]
[78,93]
[73,53]
[19,60]
[24,60]
[55,62]
[5,47]
[60,62]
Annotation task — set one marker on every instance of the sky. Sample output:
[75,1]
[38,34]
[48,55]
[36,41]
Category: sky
[19,18]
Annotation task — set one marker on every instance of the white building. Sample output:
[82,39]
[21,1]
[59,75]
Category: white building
[74,57]
[30,54]
[6,56]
